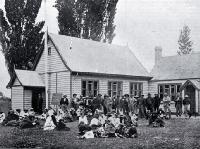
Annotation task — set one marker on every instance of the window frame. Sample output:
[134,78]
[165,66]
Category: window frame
[86,87]
[133,91]
[117,91]
[172,95]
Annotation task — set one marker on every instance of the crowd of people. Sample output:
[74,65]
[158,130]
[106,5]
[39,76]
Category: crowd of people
[100,116]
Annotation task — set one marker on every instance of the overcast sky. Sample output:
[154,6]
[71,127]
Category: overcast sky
[140,24]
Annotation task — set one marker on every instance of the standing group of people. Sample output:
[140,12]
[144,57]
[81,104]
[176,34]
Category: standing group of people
[180,102]
[121,105]
[129,104]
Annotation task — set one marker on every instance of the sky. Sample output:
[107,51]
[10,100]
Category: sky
[140,24]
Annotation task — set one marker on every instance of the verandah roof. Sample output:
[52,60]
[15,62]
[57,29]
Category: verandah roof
[29,78]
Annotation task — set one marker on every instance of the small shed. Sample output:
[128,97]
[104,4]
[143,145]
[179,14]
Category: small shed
[25,87]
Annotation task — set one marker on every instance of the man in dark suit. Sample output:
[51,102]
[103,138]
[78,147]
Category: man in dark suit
[156,102]
[149,103]
[178,104]
[64,103]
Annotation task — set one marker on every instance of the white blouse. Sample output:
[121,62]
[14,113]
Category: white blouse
[83,119]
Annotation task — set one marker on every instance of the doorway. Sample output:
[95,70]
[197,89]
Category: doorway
[36,101]
[190,91]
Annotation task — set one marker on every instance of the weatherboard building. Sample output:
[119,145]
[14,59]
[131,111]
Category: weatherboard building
[83,67]
[88,67]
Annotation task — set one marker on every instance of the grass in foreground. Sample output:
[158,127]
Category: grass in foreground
[178,133]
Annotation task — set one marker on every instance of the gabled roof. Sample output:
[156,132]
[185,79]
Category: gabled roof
[195,83]
[177,67]
[29,78]
[82,55]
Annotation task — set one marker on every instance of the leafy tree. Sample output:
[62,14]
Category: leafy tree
[88,19]
[185,44]
[20,36]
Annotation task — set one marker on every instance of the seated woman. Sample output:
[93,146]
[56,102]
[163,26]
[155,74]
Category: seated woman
[114,120]
[83,124]
[130,130]
[156,119]
[2,117]
[11,119]
[28,122]
[49,123]
[88,134]
[102,118]
[44,114]
[95,123]
[134,119]
[23,114]
[110,129]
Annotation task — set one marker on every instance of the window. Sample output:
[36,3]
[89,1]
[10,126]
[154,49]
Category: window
[170,89]
[114,89]
[89,88]
[136,89]
[49,50]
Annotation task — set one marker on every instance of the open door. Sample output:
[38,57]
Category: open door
[190,91]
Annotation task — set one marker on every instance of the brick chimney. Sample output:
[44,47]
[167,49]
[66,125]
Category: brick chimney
[158,54]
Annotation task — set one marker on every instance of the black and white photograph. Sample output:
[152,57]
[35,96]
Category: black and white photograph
[100,74]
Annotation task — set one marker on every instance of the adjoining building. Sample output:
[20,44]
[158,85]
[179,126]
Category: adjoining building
[83,67]
[172,74]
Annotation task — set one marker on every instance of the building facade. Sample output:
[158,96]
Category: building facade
[87,68]
[83,67]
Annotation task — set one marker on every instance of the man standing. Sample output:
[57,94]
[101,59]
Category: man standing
[40,102]
[186,103]
[141,106]
[64,103]
[166,104]
[178,105]
[126,104]
[156,102]
[96,103]
[149,103]
[74,101]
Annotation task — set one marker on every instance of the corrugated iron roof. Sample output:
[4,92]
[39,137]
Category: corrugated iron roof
[83,55]
[29,78]
[177,67]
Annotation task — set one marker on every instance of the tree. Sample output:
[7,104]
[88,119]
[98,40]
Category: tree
[20,36]
[185,44]
[88,19]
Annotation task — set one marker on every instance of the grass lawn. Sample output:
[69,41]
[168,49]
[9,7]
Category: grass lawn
[178,133]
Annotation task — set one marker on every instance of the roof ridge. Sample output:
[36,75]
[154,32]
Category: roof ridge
[196,53]
[92,41]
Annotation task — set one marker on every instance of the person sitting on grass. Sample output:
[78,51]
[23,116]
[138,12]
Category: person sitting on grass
[102,118]
[88,134]
[134,119]
[23,113]
[11,119]
[28,122]
[156,119]
[95,123]
[127,129]
[114,120]
[49,124]
[44,114]
[31,111]
[83,124]
[2,117]
[109,129]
